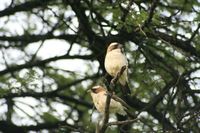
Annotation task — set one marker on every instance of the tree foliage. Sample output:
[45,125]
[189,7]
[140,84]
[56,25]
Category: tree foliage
[43,92]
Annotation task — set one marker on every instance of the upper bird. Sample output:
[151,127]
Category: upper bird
[114,61]
[99,95]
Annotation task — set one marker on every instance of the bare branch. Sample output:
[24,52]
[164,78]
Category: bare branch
[122,122]
[43,62]
[194,33]
[23,7]
[109,96]
[151,13]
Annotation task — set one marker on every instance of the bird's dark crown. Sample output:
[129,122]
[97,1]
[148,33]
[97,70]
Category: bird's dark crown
[113,46]
[97,89]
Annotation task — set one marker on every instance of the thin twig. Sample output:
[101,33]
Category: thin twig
[34,56]
[106,114]
[151,13]
[150,17]
[194,33]
[115,79]
[122,122]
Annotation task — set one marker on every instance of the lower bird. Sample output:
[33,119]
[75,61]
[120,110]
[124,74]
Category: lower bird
[99,95]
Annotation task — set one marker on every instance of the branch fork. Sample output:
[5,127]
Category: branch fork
[105,123]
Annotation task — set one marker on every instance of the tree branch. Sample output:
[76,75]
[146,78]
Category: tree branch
[194,33]
[34,38]
[26,6]
[122,122]
[11,128]
[183,45]
[44,62]
[54,94]
[108,98]
[151,13]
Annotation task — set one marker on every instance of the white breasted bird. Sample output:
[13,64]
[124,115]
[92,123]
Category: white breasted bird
[99,95]
[114,61]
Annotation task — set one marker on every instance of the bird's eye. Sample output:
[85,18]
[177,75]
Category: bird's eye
[93,90]
[113,47]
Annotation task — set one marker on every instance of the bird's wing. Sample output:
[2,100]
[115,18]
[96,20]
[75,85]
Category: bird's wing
[116,98]
[127,108]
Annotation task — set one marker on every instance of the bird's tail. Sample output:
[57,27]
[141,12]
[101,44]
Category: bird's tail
[130,114]
[126,90]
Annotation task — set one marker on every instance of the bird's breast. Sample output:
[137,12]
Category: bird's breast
[99,101]
[114,61]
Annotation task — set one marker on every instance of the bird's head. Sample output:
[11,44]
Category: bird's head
[114,46]
[97,89]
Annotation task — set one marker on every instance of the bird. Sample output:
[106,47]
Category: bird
[115,59]
[99,95]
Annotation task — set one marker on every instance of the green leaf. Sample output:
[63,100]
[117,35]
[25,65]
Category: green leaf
[48,117]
